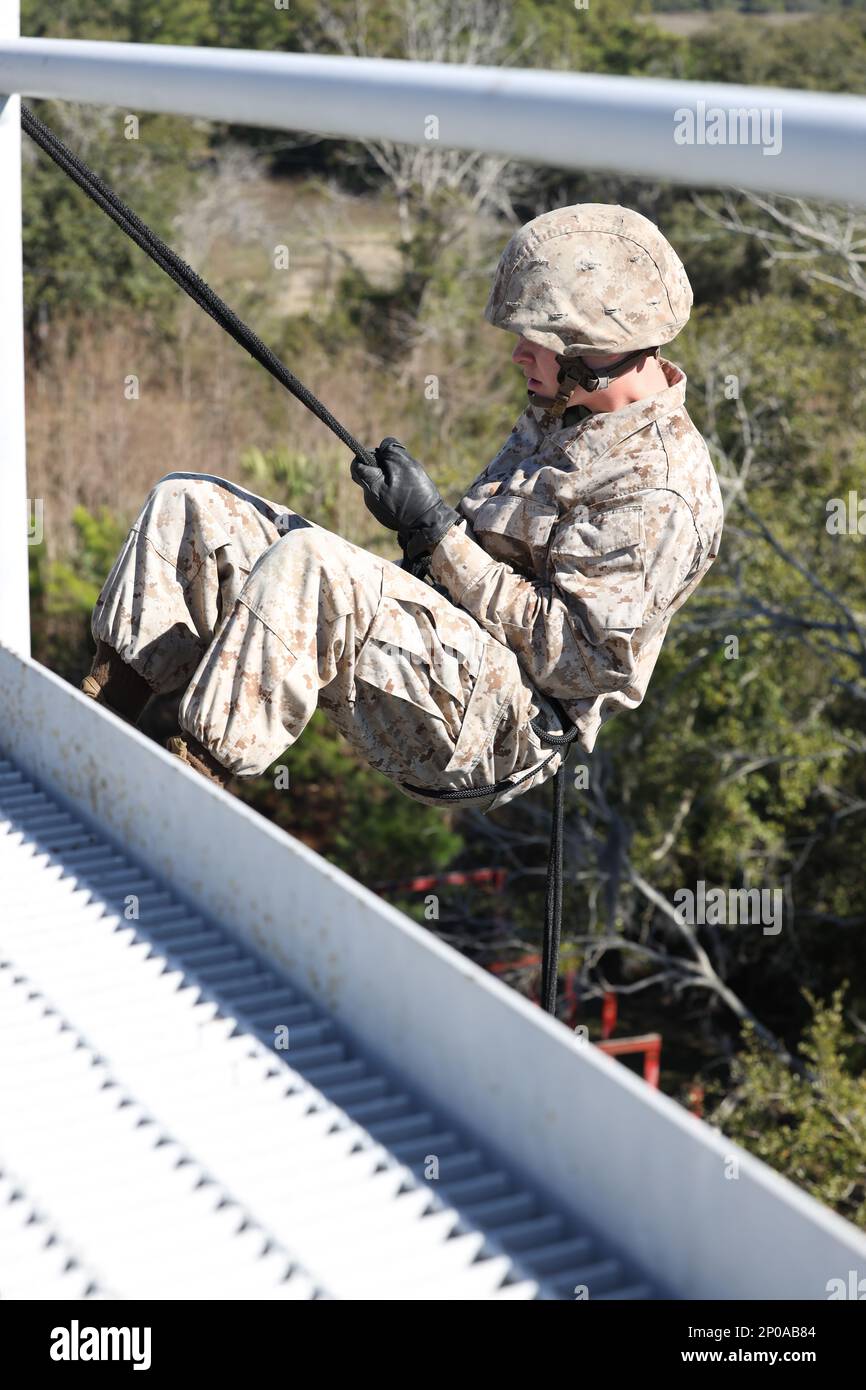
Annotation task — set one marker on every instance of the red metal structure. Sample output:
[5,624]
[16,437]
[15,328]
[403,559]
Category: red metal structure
[423,883]
[649,1044]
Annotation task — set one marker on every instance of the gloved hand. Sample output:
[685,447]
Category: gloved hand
[403,497]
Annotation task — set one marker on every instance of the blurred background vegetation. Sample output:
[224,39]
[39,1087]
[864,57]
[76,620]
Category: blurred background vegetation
[740,772]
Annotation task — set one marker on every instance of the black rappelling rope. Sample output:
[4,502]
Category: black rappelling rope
[182,274]
[553,903]
[193,285]
[553,897]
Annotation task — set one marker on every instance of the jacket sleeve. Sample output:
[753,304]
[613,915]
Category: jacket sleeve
[610,574]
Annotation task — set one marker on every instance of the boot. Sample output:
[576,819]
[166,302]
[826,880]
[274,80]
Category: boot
[195,755]
[113,683]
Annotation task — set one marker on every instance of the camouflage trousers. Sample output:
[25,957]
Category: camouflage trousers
[259,616]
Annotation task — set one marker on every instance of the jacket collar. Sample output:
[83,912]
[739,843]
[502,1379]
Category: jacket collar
[603,429]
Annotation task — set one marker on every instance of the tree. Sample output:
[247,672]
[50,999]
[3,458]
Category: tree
[810,1126]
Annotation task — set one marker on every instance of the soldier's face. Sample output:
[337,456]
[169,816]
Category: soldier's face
[541,369]
[539,366]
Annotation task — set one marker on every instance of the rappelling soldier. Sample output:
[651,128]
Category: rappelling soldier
[540,602]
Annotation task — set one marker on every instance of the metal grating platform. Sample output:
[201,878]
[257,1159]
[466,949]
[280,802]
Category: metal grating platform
[168,1146]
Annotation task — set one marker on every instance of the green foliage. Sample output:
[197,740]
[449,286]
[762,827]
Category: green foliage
[752,753]
[354,816]
[810,1127]
[129,21]
[599,38]
[757,7]
[63,591]
[75,588]
[827,53]
[289,473]
[75,259]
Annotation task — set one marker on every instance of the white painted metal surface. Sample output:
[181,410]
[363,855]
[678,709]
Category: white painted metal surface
[181,1154]
[627,124]
[36,1260]
[14,596]
[627,1166]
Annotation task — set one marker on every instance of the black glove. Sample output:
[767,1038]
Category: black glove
[403,497]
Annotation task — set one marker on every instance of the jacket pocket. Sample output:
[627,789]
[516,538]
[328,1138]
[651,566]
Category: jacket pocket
[602,561]
[524,521]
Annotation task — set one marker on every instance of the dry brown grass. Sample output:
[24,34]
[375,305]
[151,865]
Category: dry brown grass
[202,402]
[199,408]
[686,23]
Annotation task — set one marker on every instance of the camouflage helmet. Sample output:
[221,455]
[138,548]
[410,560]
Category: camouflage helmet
[594,277]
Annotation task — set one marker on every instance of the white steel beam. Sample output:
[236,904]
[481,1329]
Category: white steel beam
[704,1218]
[766,138]
[14,528]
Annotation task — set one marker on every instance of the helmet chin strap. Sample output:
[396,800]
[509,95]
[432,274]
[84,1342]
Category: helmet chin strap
[573,372]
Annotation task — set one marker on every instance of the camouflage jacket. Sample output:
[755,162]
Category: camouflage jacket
[579,543]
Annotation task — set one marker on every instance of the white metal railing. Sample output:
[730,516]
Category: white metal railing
[807,143]
[14,580]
